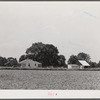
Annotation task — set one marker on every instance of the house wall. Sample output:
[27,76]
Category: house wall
[73,66]
[81,67]
[69,67]
[76,67]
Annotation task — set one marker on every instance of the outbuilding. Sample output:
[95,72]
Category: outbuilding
[28,63]
[80,65]
[83,64]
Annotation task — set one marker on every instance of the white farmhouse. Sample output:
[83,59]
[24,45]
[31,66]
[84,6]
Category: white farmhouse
[28,63]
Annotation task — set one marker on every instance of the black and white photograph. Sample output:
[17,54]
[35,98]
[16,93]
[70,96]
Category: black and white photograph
[49,45]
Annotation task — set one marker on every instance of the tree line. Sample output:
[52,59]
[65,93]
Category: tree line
[48,55]
[10,61]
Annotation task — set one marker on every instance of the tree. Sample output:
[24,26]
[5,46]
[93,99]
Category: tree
[73,59]
[98,64]
[47,54]
[3,60]
[83,56]
[93,64]
[61,60]
[11,61]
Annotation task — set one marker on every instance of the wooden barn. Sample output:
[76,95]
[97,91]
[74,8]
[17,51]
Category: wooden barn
[81,65]
[28,63]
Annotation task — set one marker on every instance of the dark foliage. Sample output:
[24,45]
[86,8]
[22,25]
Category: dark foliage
[93,64]
[3,60]
[83,56]
[11,62]
[73,60]
[98,64]
[23,57]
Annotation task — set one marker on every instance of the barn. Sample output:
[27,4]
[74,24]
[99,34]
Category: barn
[81,65]
[28,63]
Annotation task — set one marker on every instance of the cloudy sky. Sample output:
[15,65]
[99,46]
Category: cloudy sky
[71,26]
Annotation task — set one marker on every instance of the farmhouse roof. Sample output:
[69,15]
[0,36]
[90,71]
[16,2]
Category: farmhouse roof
[84,63]
[26,60]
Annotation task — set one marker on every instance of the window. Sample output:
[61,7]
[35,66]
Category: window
[29,65]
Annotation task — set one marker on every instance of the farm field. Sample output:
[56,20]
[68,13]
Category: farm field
[49,79]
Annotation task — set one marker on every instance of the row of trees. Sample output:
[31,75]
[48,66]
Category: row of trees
[10,61]
[48,55]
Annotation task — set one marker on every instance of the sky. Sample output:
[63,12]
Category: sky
[72,27]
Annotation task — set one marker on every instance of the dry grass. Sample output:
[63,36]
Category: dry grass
[45,79]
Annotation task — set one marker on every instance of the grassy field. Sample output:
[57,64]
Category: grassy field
[46,79]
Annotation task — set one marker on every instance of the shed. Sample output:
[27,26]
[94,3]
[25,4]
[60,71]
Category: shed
[28,63]
[83,64]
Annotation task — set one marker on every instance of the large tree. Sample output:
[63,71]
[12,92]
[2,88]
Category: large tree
[83,56]
[47,54]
